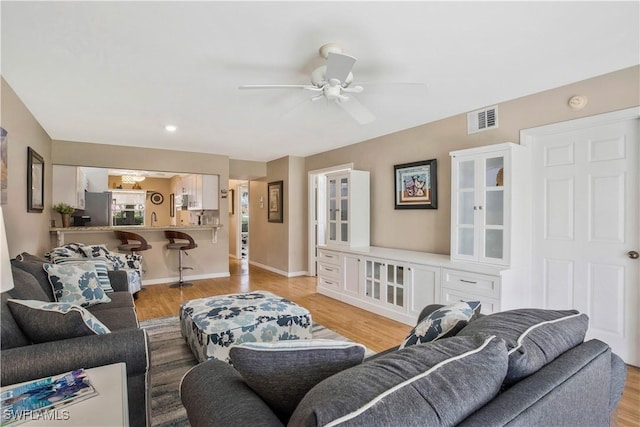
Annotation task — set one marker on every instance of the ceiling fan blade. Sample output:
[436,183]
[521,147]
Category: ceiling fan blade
[356,110]
[339,66]
[308,87]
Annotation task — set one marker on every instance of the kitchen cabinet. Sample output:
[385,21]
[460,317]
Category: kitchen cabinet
[348,208]
[97,179]
[485,203]
[70,185]
[202,191]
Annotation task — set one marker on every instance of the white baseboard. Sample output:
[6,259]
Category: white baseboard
[167,280]
[277,271]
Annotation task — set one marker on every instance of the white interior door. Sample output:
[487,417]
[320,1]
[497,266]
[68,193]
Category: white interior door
[585,228]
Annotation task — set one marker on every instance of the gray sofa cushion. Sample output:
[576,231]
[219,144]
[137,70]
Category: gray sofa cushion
[33,265]
[44,321]
[438,383]
[25,286]
[11,335]
[284,371]
[534,337]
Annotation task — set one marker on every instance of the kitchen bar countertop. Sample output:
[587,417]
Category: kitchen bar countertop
[60,231]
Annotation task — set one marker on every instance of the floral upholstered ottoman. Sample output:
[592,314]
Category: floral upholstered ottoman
[211,325]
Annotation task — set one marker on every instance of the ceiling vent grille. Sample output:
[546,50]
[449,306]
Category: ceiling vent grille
[484,119]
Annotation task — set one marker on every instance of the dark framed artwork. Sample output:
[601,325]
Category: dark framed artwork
[172,205]
[35,181]
[274,202]
[416,185]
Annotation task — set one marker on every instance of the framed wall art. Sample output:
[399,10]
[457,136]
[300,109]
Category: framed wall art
[274,202]
[416,185]
[35,181]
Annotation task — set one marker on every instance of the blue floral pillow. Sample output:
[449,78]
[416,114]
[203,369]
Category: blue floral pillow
[76,283]
[70,250]
[101,265]
[44,321]
[445,321]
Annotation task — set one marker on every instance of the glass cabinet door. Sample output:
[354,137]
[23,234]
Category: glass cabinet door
[466,193]
[493,207]
[338,209]
[332,206]
[344,210]
[373,279]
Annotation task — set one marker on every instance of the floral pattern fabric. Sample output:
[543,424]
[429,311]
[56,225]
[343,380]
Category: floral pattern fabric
[212,325]
[76,284]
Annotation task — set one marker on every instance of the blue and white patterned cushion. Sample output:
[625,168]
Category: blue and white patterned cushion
[44,321]
[70,250]
[443,322]
[101,265]
[76,283]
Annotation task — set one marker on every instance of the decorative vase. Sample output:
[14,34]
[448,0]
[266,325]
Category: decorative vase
[66,220]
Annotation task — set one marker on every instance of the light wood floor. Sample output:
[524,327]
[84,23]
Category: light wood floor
[376,332]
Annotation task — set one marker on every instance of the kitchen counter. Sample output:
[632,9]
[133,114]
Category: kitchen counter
[160,264]
[60,231]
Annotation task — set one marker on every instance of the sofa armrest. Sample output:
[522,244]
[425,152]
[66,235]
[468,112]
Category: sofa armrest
[229,403]
[119,280]
[51,358]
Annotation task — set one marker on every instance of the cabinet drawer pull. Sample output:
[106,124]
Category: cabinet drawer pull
[469,281]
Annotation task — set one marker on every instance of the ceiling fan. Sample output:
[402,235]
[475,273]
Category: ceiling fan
[333,83]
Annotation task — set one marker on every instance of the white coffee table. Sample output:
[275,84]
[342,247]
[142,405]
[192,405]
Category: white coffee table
[108,408]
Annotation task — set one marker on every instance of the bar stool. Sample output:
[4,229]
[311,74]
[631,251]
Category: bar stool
[186,244]
[126,244]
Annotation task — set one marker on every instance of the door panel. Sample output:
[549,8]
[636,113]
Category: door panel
[584,226]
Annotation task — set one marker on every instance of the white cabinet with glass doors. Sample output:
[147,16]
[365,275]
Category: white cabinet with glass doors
[348,208]
[483,203]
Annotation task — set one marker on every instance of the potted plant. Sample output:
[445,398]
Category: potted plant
[65,211]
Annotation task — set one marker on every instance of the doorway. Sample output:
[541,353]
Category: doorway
[242,234]
[585,228]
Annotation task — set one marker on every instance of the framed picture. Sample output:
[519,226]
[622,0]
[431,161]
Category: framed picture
[274,202]
[35,181]
[416,185]
[232,202]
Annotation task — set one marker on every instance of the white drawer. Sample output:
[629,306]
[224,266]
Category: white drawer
[323,282]
[473,283]
[452,296]
[328,257]
[329,271]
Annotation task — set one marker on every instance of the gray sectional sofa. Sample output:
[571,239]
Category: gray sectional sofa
[23,360]
[494,370]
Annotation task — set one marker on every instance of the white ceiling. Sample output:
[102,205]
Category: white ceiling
[118,72]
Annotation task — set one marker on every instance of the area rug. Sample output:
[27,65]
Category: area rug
[171,359]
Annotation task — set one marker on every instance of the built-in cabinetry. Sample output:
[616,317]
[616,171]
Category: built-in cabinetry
[398,283]
[201,191]
[71,183]
[348,208]
[485,203]
[489,246]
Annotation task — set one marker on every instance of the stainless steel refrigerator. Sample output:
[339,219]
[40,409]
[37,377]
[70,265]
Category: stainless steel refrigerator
[98,207]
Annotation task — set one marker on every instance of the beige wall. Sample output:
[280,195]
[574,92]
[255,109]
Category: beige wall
[26,231]
[245,169]
[428,230]
[259,241]
[296,215]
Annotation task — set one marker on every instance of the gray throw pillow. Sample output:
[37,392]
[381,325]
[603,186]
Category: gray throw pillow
[282,372]
[534,337]
[434,384]
[44,321]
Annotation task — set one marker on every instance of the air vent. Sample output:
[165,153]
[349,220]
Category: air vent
[484,119]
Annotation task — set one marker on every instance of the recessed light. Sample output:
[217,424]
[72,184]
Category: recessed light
[171,128]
